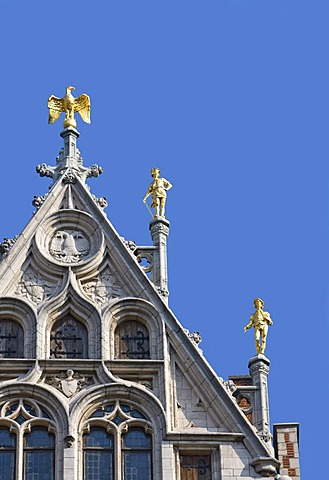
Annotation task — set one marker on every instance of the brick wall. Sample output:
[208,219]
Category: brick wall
[286,446]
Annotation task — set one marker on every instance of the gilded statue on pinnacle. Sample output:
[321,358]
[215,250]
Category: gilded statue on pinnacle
[69,105]
[260,320]
[158,189]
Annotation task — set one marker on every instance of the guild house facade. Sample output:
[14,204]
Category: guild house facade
[98,379]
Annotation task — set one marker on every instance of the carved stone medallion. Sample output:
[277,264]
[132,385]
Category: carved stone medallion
[70,238]
[69,246]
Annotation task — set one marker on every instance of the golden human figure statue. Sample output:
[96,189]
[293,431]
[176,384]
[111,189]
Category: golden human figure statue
[260,320]
[158,189]
[69,105]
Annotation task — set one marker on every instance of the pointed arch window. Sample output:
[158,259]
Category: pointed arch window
[11,339]
[132,341]
[117,444]
[27,441]
[68,339]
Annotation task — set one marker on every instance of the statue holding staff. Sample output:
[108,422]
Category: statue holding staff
[158,189]
[260,320]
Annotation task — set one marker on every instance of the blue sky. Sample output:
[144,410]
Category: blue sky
[230,100]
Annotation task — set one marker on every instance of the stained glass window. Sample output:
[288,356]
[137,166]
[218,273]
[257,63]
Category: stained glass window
[132,341]
[11,339]
[98,455]
[68,339]
[39,454]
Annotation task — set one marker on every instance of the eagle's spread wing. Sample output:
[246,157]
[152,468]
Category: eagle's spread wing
[56,107]
[82,105]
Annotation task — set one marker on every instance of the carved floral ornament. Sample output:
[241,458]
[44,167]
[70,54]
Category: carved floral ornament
[34,287]
[103,288]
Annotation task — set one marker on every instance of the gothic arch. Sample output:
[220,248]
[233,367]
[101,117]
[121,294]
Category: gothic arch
[134,397]
[21,312]
[134,309]
[69,302]
[51,414]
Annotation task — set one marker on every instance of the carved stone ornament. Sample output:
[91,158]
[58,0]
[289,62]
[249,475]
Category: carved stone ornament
[162,291]
[70,238]
[69,176]
[38,200]
[6,245]
[34,287]
[130,244]
[102,288]
[100,201]
[68,382]
[69,246]
[195,337]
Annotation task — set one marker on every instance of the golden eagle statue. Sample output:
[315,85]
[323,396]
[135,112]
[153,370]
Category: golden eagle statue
[69,105]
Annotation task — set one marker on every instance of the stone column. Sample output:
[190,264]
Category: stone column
[159,228]
[259,370]
[70,156]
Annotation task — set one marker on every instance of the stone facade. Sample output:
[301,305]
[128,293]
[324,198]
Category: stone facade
[90,352]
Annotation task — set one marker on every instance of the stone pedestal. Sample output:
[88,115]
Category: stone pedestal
[70,136]
[259,370]
[159,228]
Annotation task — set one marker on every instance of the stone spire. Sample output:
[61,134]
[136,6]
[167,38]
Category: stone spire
[69,164]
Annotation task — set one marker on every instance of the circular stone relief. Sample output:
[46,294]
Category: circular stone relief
[69,237]
[69,246]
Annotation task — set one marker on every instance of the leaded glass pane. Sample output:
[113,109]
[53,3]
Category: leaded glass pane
[132,341]
[68,339]
[7,465]
[137,439]
[98,466]
[39,465]
[98,455]
[98,437]
[39,455]
[7,439]
[7,454]
[39,437]
[11,339]
[137,458]
[137,466]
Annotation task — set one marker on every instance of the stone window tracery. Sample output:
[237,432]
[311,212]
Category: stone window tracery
[68,339]
[27,441]
[117,443]
[132,341]
[11,339]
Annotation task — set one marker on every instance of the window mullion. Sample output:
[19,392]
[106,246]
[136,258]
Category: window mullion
[20,454]
[117,457]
